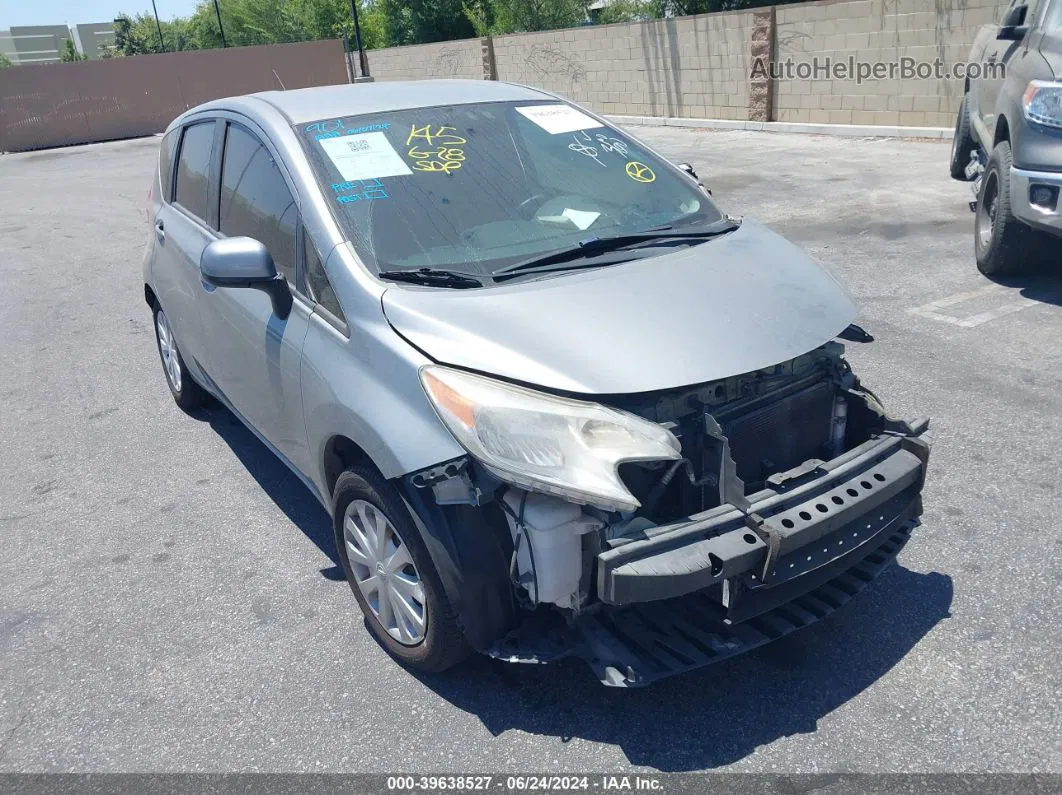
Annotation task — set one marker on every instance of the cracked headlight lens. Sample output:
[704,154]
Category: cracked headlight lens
[569,448]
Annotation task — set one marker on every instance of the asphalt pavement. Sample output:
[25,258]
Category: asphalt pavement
[169,593]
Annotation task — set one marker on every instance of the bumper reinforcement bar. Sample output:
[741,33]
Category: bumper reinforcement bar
[635,645]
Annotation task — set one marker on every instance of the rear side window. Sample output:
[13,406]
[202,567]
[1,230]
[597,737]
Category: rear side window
[193,169]
[255,199]
[166,152]
[318,280]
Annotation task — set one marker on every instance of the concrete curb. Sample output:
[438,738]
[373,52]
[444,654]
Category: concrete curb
[851,130]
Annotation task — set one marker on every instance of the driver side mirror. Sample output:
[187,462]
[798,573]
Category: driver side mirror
[244,262]
[688,168]
[1014,27]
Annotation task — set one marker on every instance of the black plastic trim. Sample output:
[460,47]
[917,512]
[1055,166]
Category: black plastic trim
[684,557]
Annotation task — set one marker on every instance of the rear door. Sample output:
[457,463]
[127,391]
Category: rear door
[182,230]
[254,356]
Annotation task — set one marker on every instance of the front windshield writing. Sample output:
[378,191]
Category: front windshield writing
[476,187]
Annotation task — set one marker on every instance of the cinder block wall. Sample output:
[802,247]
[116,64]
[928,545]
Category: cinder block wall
[420,61]
[701,66]
[877,30]
[692,66]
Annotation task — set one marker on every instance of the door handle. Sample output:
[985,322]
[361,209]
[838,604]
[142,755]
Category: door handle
[160,232]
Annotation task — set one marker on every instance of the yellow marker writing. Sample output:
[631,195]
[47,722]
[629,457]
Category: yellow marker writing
[640,172]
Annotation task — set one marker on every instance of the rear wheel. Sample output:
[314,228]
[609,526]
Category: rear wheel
[392,575]
[962,144]
[186,392]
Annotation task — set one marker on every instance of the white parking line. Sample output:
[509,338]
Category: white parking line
[1013,303]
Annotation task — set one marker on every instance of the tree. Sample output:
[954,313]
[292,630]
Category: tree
[70,53]
[495,17]
[139,35]
[422,21]
[5,62]
[624,11]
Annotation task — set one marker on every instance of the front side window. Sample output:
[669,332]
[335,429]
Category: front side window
[477,187]
[318,279]
[193,168]
[255,199]
[1053,19]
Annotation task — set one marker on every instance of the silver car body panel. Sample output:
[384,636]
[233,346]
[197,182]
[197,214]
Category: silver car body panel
[743,301]
[747,300]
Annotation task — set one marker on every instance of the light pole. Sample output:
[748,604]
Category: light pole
[362,60]
[218,12]
[162,42]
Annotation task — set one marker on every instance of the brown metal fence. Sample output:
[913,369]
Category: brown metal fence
[72,103]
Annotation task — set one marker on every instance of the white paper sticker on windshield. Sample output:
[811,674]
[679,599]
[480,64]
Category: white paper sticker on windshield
[364,156]
[581,218]
[559,118]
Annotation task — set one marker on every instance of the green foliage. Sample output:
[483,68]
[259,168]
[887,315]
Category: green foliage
[139,35]
[69,53]
[5,62]
[421,21]
[625,11]
[496,17]
[384,23]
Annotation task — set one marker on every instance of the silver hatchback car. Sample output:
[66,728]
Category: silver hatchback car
[555,401]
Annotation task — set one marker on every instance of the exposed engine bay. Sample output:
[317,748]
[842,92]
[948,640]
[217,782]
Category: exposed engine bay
[743,436]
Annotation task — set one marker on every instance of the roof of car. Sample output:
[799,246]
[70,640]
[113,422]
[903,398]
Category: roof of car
[310,104]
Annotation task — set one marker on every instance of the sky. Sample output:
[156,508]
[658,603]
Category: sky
[57,12]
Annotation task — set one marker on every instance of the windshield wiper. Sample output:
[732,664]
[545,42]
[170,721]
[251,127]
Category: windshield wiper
[433,276]
[602,245]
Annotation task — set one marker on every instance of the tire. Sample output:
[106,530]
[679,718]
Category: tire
[962,144]
[1003,245]
[361,498]
[186,393]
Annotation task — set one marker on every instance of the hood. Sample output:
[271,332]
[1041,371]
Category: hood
[1053,56]
[738,303]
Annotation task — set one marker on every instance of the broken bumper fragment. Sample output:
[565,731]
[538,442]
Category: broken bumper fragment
[689,594]
[837,513]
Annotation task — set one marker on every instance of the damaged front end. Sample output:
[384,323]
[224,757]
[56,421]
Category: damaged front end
[740,510]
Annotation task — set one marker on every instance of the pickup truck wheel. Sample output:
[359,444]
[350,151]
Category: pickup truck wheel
[1003,245]
[392,575]
[186,392]
[962,144]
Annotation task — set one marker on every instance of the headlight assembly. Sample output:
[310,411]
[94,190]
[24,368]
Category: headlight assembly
[569,448]
[1042,103]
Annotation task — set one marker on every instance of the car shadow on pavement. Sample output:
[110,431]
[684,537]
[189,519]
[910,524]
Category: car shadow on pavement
[701,720]
[1044,286]
[720,714]
[281,485]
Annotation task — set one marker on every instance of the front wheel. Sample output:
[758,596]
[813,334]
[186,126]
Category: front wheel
[1003,245]
[392,575]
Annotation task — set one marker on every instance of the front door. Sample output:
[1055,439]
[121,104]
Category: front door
[254,357]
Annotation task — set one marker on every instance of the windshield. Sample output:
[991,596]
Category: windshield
[476,187]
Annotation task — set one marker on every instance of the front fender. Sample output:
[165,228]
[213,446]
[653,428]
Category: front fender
[367,388]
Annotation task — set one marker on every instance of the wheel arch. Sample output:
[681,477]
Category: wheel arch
[340,454]
[1002,132]
[150,297]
